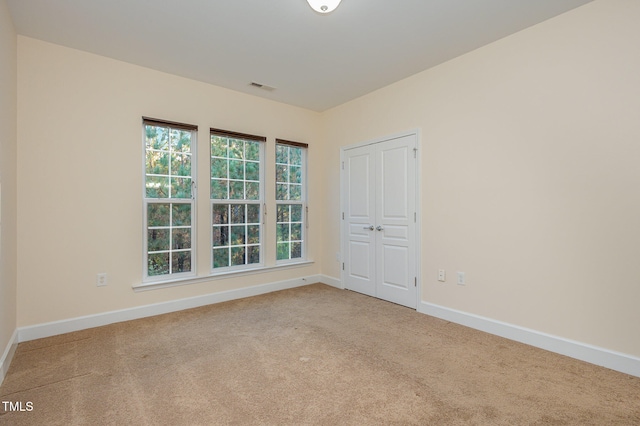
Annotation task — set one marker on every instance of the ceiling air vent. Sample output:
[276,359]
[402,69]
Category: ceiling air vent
[262,86]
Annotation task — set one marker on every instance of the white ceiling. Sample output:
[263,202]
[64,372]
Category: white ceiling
[313,61]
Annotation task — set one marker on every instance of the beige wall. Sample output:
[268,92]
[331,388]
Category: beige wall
[530,174]
[8,143]
[80,176]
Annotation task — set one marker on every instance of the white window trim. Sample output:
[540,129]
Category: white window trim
[175,282]
[146,278]
[228,270]
[303,202]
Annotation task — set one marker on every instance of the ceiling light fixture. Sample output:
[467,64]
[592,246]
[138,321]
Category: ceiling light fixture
[323,6]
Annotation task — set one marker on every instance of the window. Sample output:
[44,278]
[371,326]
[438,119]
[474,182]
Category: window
[169,198]
[237,199]
[291,206]
[236,203]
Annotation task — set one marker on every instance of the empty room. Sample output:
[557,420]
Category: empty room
[317,212]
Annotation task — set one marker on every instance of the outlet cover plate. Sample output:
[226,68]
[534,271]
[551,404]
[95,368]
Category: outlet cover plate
[101,280]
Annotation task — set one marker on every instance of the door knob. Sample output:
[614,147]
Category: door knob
[370,227]
[379,228]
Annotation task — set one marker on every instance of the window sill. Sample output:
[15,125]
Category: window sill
[153,285]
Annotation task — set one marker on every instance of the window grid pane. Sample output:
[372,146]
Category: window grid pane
[290,202]
[289,173]
[168,163]
[289,231]
[235,169]
[169,238]
[236,202]
[169,200]
[236,234]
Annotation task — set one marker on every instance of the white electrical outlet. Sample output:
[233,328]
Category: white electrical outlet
[101,279]
[442,275]
[461,278]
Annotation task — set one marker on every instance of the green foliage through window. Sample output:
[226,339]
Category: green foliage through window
[168,162]
[288,172]
[290,201]
[236,201]
[168,199]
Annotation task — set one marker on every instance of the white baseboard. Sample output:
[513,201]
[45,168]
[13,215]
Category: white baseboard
[333,282]
[90,321]
[7,355]
[614,360]
[595,355]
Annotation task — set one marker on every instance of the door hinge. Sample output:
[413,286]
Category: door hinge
[414,217]
[415,281]
[415,152]
[343,165]
[343,266]
[342,215]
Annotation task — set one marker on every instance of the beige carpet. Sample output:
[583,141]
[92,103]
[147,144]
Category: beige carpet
[312,355]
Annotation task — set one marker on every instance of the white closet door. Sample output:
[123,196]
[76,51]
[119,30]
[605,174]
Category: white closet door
[360,220]
[380,218]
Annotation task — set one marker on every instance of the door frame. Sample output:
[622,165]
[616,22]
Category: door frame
[343,202]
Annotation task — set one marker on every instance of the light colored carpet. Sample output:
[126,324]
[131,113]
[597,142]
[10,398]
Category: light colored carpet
[311,355]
